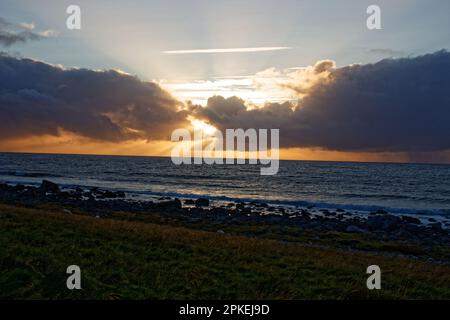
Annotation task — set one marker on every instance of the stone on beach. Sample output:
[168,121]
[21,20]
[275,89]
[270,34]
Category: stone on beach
[411,220]
[48,186]
[171,204]
[354,229]
[202,202]
[436,226]
[384,222]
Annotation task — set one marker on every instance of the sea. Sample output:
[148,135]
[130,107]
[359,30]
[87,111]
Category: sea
[396,188]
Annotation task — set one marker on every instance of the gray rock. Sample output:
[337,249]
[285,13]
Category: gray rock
[378,212]
[48,186]
[436,226]
[240,206]
[412,220]
[202,202]
[354,229]
[383,222]
[219,211]
[171,204]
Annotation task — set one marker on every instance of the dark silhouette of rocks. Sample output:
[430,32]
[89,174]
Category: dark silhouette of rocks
[100,203]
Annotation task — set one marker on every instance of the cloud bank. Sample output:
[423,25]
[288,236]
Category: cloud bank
[395,105]
[40,99]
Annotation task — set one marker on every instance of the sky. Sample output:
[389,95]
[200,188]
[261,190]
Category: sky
[277,57]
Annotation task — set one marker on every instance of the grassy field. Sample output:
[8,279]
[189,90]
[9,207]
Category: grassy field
[135,260]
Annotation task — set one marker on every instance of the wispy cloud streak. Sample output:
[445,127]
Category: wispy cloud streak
[227,50]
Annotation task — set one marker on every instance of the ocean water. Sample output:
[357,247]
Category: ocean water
[397,188]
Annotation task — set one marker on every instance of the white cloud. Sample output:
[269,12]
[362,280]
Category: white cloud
[27,26]
[226,50]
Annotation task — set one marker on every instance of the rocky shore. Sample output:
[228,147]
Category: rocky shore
[378,225]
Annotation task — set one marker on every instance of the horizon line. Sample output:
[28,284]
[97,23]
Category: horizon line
[281,159]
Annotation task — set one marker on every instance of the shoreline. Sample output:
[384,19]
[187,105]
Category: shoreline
[99,202]
[361,209]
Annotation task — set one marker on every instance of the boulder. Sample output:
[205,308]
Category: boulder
[219,211]
[412,220]
[262,205]
[305,214]
[108,194]
[202,202]
[240,206]
[436,226]
[21,187]
[380,211]
[120,194]
[281,209]
[48,186]
[383,222]
[171,204]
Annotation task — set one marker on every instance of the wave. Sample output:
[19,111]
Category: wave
[139,194]
[30,174]
[300,203]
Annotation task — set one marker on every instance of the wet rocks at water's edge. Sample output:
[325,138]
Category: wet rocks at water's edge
[48,186]
[100,202]
[202,202]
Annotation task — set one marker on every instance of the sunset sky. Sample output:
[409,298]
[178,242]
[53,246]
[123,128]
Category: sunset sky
[139,69]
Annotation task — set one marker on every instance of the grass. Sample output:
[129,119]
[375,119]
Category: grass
[334,239]
[122,259]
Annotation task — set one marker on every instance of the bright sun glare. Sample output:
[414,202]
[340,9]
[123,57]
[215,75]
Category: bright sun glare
[206,128]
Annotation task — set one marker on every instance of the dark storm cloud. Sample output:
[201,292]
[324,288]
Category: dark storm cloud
[395,105]
[11,34]
[37,98]
[398,105]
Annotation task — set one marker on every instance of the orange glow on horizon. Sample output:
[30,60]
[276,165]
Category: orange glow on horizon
[68,143]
